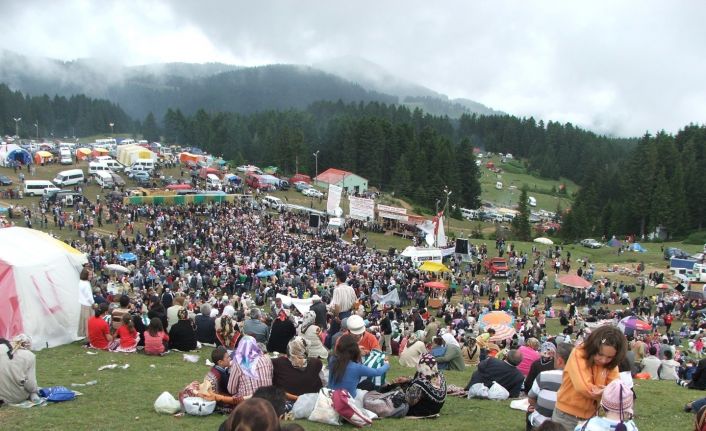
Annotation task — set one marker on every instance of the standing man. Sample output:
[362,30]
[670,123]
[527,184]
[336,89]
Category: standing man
[343,296]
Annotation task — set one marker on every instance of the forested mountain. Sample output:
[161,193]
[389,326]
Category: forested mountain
[59,116]
[217,87]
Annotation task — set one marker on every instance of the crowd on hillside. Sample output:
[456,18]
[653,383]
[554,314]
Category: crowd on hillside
[222,276]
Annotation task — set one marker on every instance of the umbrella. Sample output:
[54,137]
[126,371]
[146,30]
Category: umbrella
[127,257]
[663,286]
[502,332]
[117,268]
[265,273]
[634,323]
[496,318]
[544,240]
[436,285]
[44,154]
[433,267]
[574,281]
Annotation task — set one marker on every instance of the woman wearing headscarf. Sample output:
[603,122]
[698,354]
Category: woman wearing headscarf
[250,368]
[227,332]
[297,373]
[414,350]
[452,358]
[182,336]
[426,391]
[18,376]
[312,334]
[281,331]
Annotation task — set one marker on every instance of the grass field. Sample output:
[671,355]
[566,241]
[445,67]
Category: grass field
[123,399]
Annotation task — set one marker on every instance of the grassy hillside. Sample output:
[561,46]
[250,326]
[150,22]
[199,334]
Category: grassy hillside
[514,177]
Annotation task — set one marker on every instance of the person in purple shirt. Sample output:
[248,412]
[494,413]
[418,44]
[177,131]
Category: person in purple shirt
[345,370]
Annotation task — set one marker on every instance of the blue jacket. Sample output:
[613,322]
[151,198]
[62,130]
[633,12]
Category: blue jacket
[351,378]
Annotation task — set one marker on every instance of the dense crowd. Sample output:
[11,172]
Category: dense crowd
[221,275]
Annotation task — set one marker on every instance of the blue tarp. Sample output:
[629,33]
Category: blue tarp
[638,248]
[127,257]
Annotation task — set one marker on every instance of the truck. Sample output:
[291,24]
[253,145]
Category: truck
[698,274]
[681,266]
[497,267]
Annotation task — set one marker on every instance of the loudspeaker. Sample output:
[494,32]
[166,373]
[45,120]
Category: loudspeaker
[314,220]
[461,246]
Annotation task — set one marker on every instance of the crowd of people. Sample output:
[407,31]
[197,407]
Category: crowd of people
[216,275]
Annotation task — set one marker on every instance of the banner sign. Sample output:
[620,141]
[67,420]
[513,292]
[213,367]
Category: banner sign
[334,199]
[361,208]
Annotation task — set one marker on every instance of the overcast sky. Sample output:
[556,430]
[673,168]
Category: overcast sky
[622,67]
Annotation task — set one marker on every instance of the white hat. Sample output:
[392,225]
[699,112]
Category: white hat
[315,298]
[355,324]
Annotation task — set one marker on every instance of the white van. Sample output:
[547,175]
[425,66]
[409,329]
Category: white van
[419,255]
[36,187]
[65,156]
[142,165]
[97,166]
[212,181]
[69,178]
[111,163]
[104,179]
[532,201]
[470,214]
[273,202]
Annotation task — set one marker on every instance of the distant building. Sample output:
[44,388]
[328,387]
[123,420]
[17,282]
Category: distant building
[349,181]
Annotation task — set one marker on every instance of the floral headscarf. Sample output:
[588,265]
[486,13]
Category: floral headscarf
[417,336]
[246,355]
[297,353]
[309,320]
[426,367]
[21,341]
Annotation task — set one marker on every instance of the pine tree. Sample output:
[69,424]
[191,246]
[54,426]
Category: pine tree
[150,130]
[521,224]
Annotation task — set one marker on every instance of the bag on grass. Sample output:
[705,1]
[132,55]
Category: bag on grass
[478,390]
[498,392]
[323,409]
[386,405]
[344,405]
[375,359]
[197,406]
[57,394]
[304,405]
[166,403]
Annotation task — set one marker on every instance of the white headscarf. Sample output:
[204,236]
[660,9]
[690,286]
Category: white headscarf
[450,340]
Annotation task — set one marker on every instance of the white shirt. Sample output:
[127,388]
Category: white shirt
[344,296]
[85,293]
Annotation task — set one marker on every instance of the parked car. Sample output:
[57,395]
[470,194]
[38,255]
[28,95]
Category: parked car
[140,175]
[675,252]
[591,243]
[5,180]
[301,186]
[312,192]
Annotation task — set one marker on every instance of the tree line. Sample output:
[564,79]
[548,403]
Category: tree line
[59,116]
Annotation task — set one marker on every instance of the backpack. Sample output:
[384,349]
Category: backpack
[346,408]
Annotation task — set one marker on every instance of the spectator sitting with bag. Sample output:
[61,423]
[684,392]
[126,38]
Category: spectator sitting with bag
[182,336]
[18,378]
[504,372]
[426,391]
[297,373]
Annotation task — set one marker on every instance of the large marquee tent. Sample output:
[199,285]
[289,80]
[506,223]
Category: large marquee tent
[39,287]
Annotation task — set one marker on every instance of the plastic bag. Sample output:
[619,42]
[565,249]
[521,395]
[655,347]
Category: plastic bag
[478,390]
[166,403]
[498,392]
[304,405]
[197,406]
[346,408]
[57,394]
[323,410]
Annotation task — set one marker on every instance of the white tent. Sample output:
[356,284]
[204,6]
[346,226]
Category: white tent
[39,287]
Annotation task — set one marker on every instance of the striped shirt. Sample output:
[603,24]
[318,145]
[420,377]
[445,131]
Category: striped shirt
[343,296]
[544,390]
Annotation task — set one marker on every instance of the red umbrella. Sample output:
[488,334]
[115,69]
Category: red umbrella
[502,332]
[574,281]
[663,286]
[436,285]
